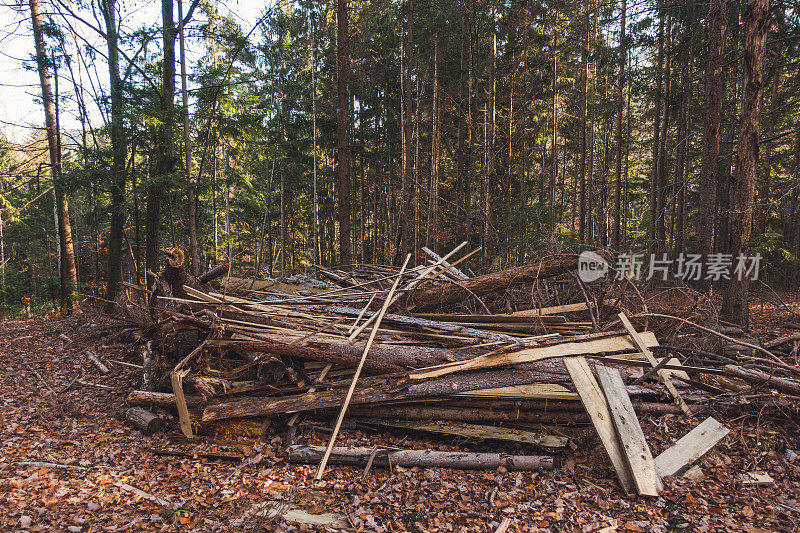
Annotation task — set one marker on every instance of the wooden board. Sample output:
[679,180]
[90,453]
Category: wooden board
[617,343]
[595,403]
[180,401]
[690,447]
[664,375]
[534,391]
[475,431]
[631,437]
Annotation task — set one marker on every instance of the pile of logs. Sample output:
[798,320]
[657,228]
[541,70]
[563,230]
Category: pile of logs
[384,348]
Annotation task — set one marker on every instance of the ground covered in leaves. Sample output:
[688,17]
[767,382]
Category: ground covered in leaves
[56,407]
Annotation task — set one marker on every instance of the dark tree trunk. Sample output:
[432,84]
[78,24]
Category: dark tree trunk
[709,172]
[343,118]
[616,233]
[735,306]
[118,149]
[164,154]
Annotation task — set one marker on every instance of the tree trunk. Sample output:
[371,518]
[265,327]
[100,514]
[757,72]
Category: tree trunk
[763,192]
[615,239]
[735,303]
[420,458]
[661,164]
[194,257]
[343,123]
[709,172]
[260,405]
[118,149]
[433,193]
[462,162]
[69,278]
[657,128]
[165,158]
[422,299]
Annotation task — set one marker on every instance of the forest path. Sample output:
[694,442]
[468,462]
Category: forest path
[82,427]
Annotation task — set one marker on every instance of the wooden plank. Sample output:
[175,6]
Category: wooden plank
[617,343]
[475,431]
[690,447]
[631,437]
[180,401]
[595,403]
[454,271]
[663,374]
[534,391]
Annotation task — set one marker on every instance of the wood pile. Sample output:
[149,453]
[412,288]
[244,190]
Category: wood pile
[382,348]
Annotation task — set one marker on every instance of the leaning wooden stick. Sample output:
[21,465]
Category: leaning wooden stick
[664,375]
[350,391]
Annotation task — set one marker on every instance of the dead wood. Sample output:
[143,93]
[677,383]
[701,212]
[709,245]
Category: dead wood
[436,296]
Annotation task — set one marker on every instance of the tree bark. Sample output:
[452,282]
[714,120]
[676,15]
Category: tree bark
[118,149]
[194,257]
[164,152]
[709,173]
[259,405]
[68,273]
[444,294]
[420,458]
[616,233]
[343,122]
[735,302]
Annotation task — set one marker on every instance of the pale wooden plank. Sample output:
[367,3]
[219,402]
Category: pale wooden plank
[630,434]
[618,343]
[180,401]
[690,447]
[475,431]
[664,375]
[595,403]
[533,391]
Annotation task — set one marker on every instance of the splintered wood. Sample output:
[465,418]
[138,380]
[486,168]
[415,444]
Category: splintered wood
[485,361]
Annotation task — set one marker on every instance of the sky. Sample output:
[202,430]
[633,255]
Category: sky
[20,109]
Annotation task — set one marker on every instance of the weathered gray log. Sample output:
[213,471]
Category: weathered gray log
[96,361]
[159,399]
[263,406]
[443,294]
[143,420]
[756,377]
[421,458]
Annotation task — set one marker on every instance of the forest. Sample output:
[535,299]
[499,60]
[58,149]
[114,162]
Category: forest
[352,132]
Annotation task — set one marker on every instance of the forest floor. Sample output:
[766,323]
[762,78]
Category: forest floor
[56,418]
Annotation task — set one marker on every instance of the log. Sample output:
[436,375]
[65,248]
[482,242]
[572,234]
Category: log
[96,361]
[143,420]
[475,415]
[445,294]
[159,399]
[756,377]
[216,272]
[264,406]
[421,458]
[383,358]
